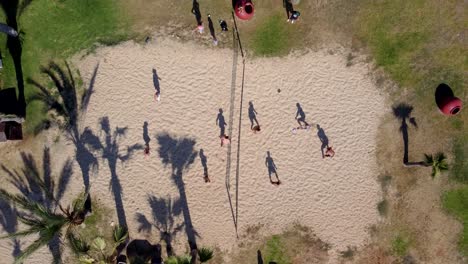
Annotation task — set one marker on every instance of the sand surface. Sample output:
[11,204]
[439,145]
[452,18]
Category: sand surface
[336,197]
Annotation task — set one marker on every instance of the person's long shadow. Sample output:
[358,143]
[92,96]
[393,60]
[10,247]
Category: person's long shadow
[180,154]
[110,151]
[403,112]
[300,115]
[252,115]
[259,257]
[146,136]
[28,181]
[13,10]
[272,169]
[196,11]
[204,161]
[323,138]
[164,213]
[156,80]
[221,122]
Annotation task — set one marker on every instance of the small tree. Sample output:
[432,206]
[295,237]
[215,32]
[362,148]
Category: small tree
[438,163]
[205,254]
[98,251]
[42,220]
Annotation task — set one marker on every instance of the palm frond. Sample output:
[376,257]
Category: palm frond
[17,200]
[120,234]
[79,202]
[24,233]
[78,245]
[99,244]
[42,241]
[205,254]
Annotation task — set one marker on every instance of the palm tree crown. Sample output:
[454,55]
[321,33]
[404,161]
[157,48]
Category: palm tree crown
[438,163]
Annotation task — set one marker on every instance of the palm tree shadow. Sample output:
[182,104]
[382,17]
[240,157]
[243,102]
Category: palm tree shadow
[164,212]
[180,154]
[9,224]
[29,180]
[403,112]
[68,112]
[110,151]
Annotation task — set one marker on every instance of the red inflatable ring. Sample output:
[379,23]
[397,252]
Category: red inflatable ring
[446,101]
[244,9]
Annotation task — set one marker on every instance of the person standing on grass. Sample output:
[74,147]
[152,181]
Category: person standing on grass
[294,16]
[212,30]
[198,16]
[289,8]
[223,25]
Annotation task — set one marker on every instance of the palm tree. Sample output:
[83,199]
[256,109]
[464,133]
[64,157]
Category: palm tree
[98,251]
[28,181]
[43,221]
[205,254]
[438,163]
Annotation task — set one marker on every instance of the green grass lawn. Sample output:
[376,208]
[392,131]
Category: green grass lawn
[456,202]
[55,30]
[272,37]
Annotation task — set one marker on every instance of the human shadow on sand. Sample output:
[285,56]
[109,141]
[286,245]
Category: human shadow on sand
[71,109]
[146,136]
[164,216]
[179,153]
[204,161]
[323,138]
[221,122]
[252,115]
[156,80]
[110,151]
[403,112]
[300,116]
[39,185]
[272,169]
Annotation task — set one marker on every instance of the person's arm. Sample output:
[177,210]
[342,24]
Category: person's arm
[217,118]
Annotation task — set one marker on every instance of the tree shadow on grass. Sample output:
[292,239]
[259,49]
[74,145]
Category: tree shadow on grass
[13,10]
[180,154]
[403,112]
[164,214]
[29,180]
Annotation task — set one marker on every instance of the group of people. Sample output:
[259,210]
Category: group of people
[200,27]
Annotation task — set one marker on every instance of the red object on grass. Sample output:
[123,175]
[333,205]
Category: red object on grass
[451,105]
[446,101]
[244,9]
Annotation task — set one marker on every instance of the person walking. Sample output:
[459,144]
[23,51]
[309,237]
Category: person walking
[329,152]
[212,30]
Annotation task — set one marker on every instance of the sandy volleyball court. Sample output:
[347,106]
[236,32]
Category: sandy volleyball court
[336,197]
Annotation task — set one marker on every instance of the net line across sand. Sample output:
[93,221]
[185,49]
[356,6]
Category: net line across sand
[236,46]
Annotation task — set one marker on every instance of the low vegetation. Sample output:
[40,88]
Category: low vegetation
[456,202]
